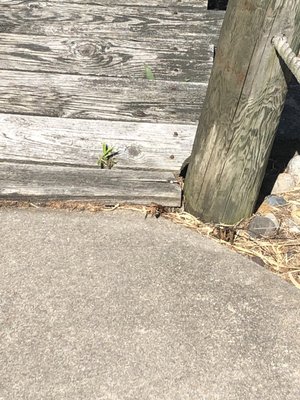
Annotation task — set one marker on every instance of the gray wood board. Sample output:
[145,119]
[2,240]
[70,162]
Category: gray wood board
[79,142]
[74,96]
[150,3]
[47,182]
[73,19]
[108,56]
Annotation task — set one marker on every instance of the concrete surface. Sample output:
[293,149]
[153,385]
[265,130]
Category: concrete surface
[111,306]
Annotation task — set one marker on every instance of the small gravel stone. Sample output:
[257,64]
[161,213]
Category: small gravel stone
[263,226]
[295,214]
[292,226]
[284,183]
[275,201]
[293,168]
[258,261]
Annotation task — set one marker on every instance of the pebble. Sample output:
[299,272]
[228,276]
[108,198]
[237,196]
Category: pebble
[284,183]
[293,168]
[264,226]
[292,226]
[258,261]
[275,201]
[295,214]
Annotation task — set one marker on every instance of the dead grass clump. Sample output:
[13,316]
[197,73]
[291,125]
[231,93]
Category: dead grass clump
[280,254]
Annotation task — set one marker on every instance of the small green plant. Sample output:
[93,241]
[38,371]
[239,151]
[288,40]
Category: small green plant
[106,159]
[149,74]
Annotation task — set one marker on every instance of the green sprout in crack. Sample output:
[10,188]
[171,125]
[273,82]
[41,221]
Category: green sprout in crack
[149,74]
[106,159]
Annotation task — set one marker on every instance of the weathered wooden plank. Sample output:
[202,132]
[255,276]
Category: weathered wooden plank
[74,96]
[153,3]
[48,182]
[150,3]
[109,56]
[79,142]
[73,19]
[177,4]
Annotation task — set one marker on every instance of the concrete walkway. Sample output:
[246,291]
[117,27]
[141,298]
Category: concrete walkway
[111,306]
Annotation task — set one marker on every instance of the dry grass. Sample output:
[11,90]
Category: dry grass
[280,254]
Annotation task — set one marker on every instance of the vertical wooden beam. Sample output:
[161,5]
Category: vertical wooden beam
[244,101]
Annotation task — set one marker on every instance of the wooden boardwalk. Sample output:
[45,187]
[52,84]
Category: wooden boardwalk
[73,77]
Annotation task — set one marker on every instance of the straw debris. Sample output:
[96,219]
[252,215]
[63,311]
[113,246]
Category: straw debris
[280,254]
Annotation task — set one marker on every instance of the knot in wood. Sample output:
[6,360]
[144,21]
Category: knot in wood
[134,151]
[33,10]
[85,49]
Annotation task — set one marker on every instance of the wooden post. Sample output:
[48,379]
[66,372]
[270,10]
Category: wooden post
[242,109]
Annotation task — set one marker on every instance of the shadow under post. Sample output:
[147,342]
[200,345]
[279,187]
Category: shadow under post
[286,143]
[217,4]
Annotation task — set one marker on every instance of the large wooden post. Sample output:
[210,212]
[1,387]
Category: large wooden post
[244,101]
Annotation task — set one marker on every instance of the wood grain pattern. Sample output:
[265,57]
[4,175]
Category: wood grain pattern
[74,96]
[79,142]
[109,56]
[150,3]
[72,78]
[77,19]
[153,3]
[242,110]
[46,182]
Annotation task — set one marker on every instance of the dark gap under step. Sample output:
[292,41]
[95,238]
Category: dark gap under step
[217,4]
